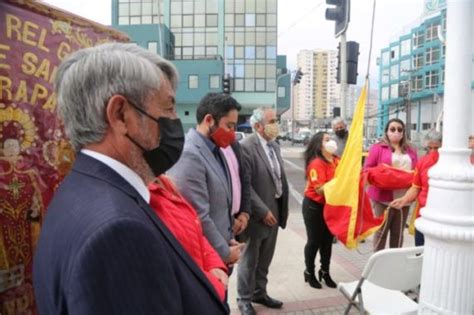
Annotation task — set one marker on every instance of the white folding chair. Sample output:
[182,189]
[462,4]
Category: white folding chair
[387,274]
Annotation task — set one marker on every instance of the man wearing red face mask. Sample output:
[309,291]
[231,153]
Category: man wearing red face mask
[203,176]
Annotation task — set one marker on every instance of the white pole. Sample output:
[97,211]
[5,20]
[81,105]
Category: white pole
[447,221]
[343,74]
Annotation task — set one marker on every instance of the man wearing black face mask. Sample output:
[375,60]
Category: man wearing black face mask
[203,176]
[339,128]
[102,248]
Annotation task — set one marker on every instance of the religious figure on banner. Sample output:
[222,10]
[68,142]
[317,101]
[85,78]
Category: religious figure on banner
[21,209]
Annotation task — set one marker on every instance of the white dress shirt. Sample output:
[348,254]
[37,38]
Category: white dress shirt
[130,176]
[265,147]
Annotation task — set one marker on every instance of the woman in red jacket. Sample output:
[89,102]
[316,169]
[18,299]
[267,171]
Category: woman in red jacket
[184,223]
[321,164]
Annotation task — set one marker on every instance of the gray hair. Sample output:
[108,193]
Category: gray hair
[258,115]
[434,135]
[88,78]
[336,121]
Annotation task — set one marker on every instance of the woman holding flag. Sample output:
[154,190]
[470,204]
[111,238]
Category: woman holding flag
[393,151]
[321,164]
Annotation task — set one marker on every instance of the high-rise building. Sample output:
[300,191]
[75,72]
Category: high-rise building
[411,73]
[238,35]
[318,93]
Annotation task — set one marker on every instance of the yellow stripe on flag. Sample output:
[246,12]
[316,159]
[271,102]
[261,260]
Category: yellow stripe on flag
[343,189]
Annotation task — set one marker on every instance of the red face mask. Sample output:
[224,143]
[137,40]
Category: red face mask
[223,138]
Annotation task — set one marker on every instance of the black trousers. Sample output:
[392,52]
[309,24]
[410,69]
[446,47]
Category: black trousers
[318,234]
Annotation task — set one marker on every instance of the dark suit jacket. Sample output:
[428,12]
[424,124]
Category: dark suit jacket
[263,188]
[102,250]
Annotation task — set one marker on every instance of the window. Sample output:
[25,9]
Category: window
[394,53]
[418,39]
[432,55]
[394,72]
[431,79]
[281,91]
[214,81]
[394,91]
[153,46]
[432,31]
[385,75]
[418,61]
[271,52]
[193,81]
[405,47]
[405,66]
[249,20]
[385,58]
[416,83]
[211,20]
[385,93]
[426,126]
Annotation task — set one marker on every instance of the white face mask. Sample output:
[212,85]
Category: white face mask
[330,146]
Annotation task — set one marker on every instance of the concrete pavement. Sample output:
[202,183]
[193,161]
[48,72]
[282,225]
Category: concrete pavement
[286,272]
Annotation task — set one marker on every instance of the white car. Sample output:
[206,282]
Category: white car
[240,136]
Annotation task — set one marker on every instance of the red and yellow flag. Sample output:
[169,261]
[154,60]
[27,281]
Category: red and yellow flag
[347,212]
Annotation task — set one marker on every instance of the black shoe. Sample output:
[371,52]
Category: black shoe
[324,275]
[268,302]
[309,277]
[246,308]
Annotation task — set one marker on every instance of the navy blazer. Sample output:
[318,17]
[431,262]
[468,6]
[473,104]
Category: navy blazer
[102,250]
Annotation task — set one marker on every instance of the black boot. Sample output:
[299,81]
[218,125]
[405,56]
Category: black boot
[309,277]
[324,275]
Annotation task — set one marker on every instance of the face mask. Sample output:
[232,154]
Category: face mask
[341,133]
[163,157]
[271,131]
[223,138]
[394,136]
[330,146]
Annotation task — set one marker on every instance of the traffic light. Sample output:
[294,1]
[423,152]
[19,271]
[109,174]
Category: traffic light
[298,76]
[352,60]
[339,14]
[226,84]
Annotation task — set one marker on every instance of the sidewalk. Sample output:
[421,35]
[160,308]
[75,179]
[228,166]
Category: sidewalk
[286,271]
[286,274]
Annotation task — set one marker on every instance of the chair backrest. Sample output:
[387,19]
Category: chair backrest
[395,268]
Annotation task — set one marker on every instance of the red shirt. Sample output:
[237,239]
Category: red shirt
[318,173]
[420,178]
[182,220]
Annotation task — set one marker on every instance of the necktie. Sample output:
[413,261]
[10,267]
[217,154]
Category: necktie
[276,171]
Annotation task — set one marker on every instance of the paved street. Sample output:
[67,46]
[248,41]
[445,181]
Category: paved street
[286,272]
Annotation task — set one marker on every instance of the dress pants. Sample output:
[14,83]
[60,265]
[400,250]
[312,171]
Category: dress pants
[254,263]
[393,225]
[318,235]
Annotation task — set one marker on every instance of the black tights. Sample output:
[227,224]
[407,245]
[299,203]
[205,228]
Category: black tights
[319,237]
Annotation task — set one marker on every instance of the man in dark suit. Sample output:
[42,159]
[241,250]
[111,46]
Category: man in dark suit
[102,249]
[269,203]
[202,174]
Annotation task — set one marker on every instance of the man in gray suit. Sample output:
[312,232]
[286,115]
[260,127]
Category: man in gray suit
[202,174]
[269,203]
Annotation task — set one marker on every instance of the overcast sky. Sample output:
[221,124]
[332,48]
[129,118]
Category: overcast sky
[302,25]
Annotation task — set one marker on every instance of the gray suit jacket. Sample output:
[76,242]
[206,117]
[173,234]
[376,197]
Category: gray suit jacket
[263,187]
[202,181]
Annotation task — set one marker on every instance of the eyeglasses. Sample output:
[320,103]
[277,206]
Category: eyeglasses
[399,129]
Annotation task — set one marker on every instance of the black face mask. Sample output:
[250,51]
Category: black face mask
[341,133]
[163,157]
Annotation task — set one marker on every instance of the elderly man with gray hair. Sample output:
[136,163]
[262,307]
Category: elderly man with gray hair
[269,204]
[102,249]
[339,127]
[419,188]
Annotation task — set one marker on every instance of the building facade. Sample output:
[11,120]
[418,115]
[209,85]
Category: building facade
[235,37]
[411,73]
[318,93]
